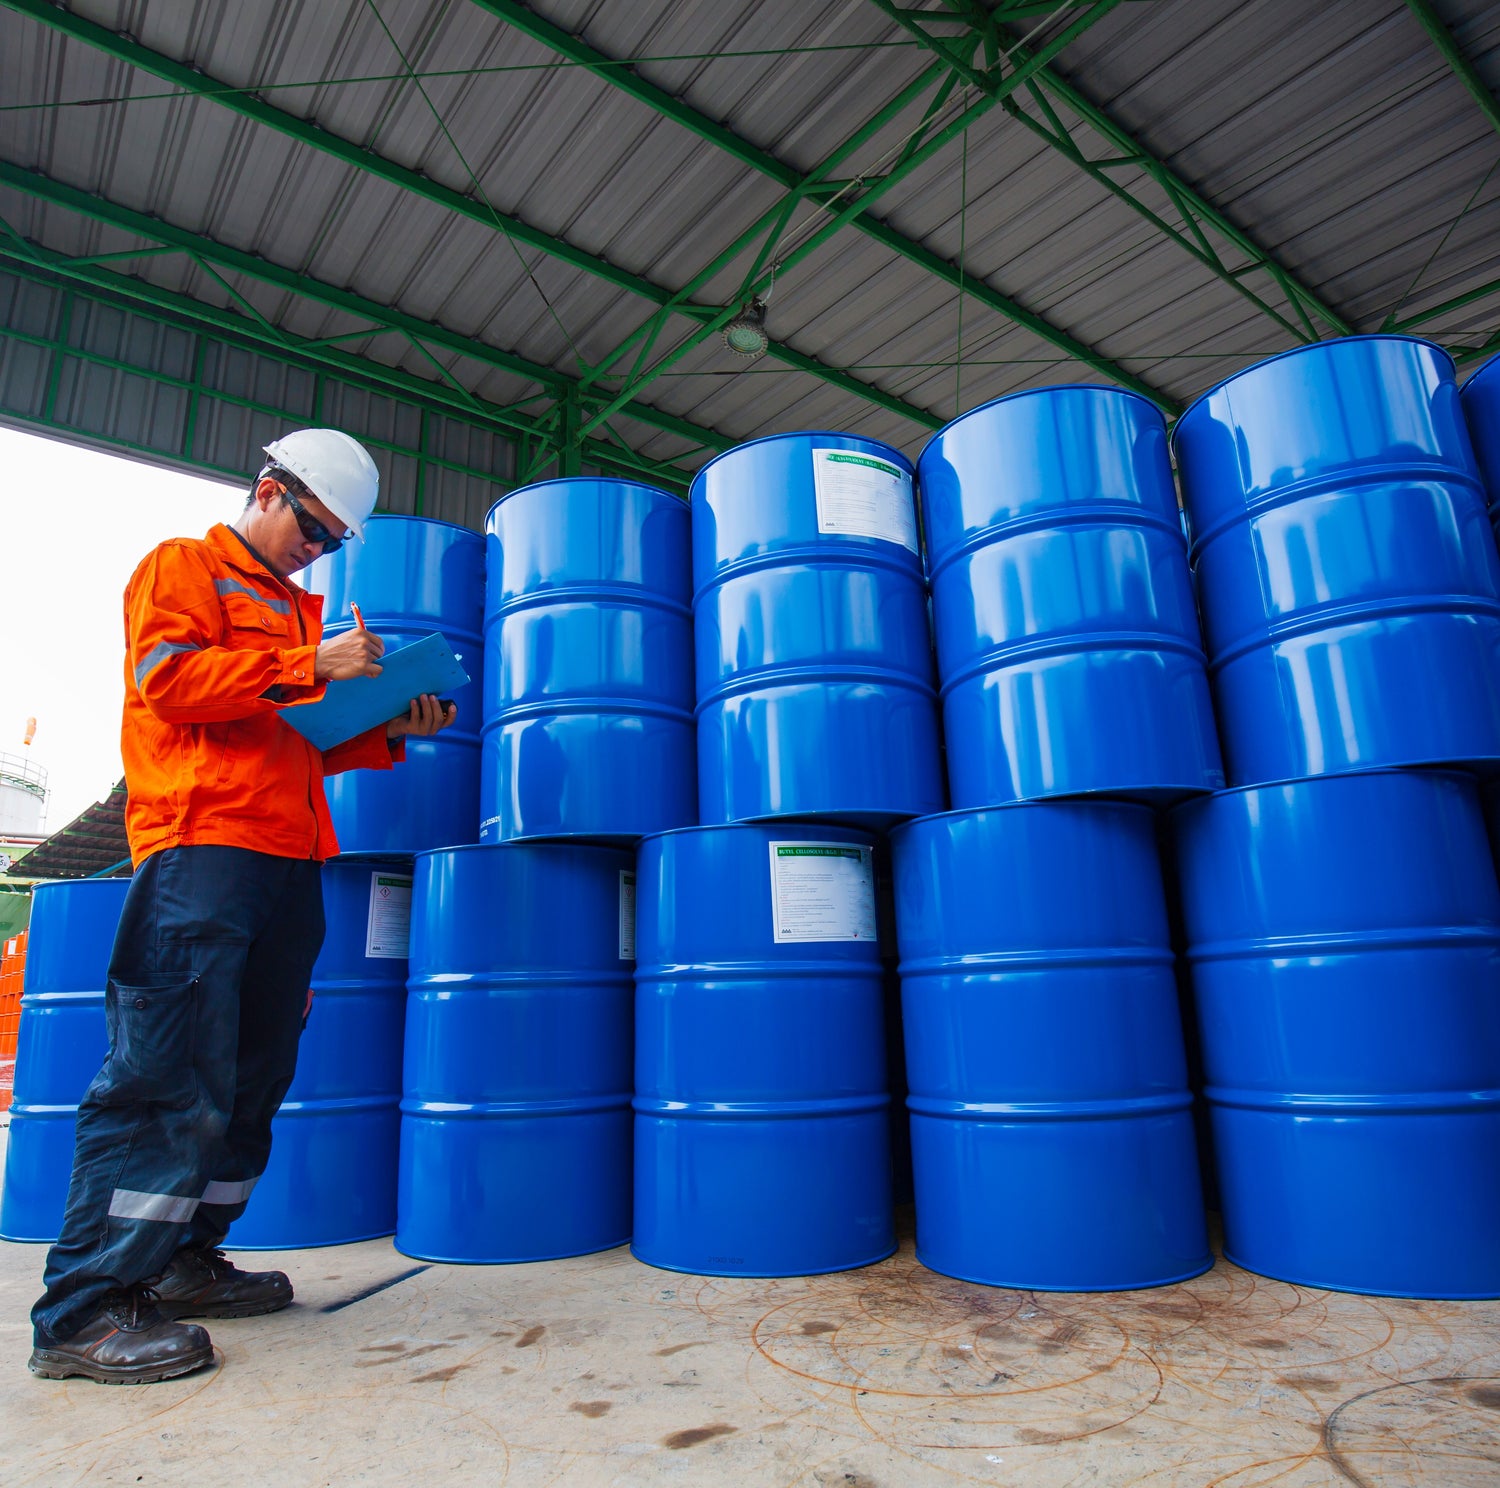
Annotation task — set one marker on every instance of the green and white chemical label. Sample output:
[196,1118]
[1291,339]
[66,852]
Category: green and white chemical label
[388,931]
[627,916]
[860,496]
[822,891]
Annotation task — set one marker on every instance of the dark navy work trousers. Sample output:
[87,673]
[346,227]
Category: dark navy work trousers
[207,993]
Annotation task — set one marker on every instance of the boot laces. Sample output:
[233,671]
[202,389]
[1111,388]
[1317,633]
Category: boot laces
[133,1303]
[215,1261]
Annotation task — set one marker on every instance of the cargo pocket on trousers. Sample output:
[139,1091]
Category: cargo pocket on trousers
[152,1056]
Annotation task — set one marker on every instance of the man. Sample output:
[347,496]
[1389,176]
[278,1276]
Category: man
[208,981]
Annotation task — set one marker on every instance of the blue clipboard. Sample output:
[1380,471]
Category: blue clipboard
[349,708]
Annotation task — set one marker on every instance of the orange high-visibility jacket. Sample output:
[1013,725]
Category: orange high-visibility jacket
[215,647]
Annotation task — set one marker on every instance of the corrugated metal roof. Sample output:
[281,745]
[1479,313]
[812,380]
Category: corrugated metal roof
[1335,135]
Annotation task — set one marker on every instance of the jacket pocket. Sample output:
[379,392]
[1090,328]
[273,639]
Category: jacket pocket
[247,617]
[152,1046]
[216,738]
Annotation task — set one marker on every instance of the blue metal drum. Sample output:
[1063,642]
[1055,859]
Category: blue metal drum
[761,1128]
[61,1046]
[1349,580]
[814,652]
[588,683]
[515,1124]
[332,1174]
[1051,1123]
[1344,939]
[1481,405]
[1067,632]
[410,577]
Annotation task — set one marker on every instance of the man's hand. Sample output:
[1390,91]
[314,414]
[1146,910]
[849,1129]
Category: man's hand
[352,654]
[426,717]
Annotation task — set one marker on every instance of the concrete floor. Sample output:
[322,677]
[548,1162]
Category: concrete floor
[602,1371]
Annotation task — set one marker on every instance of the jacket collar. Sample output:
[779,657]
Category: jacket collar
[238,554]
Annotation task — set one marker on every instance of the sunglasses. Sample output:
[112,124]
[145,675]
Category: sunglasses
[309,526]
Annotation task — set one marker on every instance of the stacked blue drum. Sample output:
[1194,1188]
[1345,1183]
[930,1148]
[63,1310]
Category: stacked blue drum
[762,1127]
[515,1114]
[1067,634]
[411,577]
[814,658]
[1349,581]
[1344,937]
[332,1174]
[588,682]
[1481,404]
[1341,916]
[761,1136]
[61,1046]
[1051,1122]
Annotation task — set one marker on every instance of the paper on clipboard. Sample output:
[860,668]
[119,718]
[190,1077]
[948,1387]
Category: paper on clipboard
[350,708]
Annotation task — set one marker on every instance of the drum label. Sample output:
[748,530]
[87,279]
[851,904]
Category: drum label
[822,891]
[388,930]
[627,916]
[860,496]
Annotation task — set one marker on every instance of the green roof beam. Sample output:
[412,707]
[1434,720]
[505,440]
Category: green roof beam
[128,50]
[1424,317]
[34,183]
[773,217]
[934,143]
[47,267]
[1463,69]
[1194,209]
[618,75]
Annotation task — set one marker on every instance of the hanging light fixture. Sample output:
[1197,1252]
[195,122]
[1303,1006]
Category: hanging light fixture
[745,335]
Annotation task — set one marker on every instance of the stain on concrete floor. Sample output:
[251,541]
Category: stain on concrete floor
[601,1371]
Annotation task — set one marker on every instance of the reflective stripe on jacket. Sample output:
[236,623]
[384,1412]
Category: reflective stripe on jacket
[215,647]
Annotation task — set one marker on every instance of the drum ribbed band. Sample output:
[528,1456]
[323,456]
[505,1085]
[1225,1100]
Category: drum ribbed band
[1091,514]
[1073,643]
[588,707]
[1335,616]
[588,1105]
[1384,1103]
[1431,473]
[625,596]
[1352,943]
[1078,1110]
[830,553]
[982,963]
[811,674]
[866,970]
[346,1105]
[786,1110]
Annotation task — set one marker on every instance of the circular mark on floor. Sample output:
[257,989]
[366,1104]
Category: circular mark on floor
[1426,1433]
[971,1369]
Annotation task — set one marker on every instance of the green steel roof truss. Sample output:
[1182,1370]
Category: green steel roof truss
[18,253]
[933,141]
[1195,212]
[191,80]
[614,72]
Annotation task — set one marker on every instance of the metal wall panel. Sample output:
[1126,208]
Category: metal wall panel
[79,365]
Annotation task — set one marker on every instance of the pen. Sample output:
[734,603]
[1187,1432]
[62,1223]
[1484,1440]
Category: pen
[359,619]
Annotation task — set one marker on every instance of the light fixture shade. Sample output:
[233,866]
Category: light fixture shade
[745,335]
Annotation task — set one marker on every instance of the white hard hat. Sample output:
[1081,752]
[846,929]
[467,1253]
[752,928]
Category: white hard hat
[338,470]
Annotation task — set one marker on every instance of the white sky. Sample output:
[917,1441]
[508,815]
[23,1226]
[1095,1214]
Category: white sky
[73,525]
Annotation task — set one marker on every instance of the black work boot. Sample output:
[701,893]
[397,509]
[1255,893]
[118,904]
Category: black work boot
[204,1282]
[128,1342]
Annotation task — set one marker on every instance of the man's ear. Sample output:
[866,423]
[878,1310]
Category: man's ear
[266,492]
